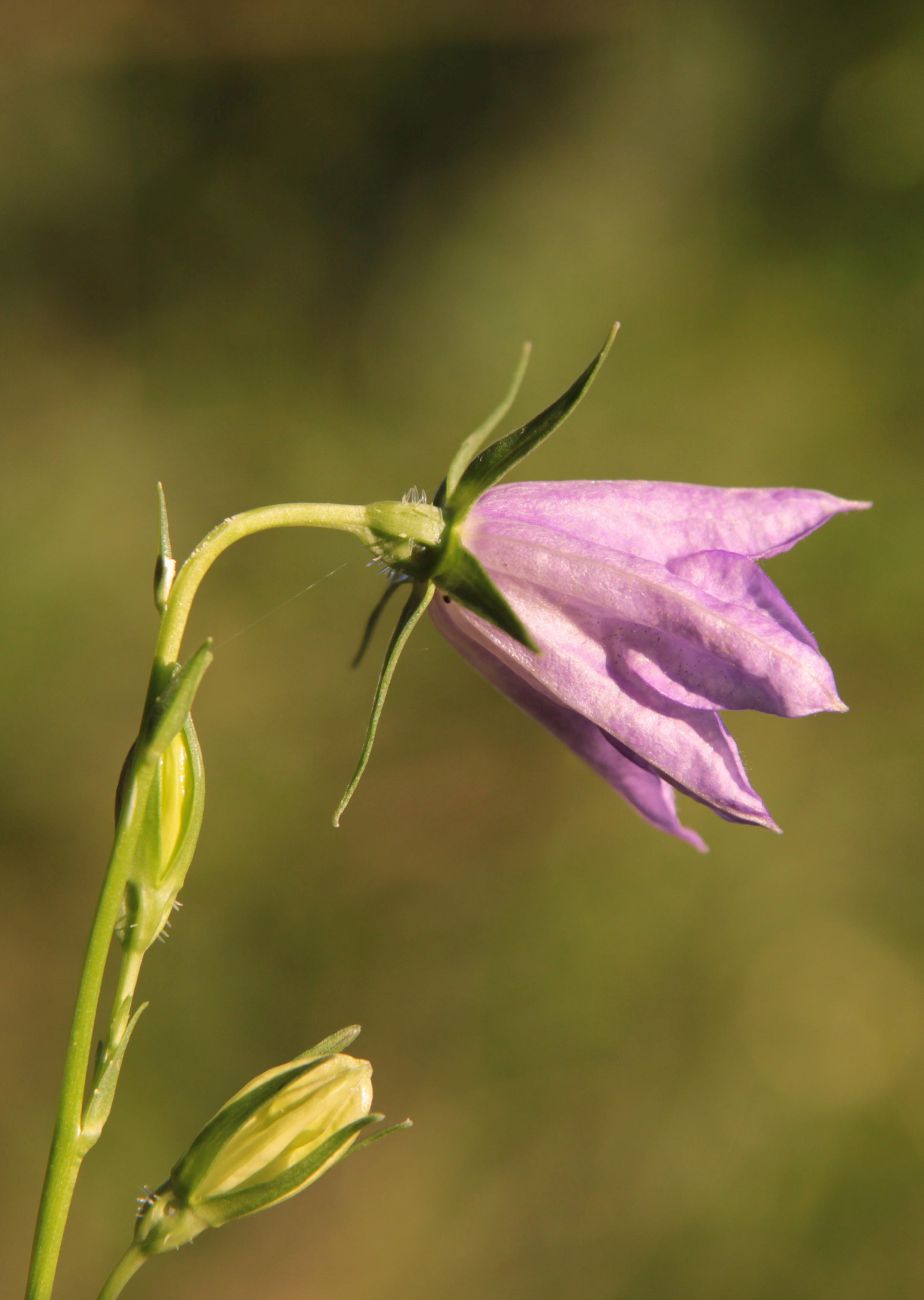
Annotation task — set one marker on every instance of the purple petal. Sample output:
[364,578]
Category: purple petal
[651,796]
[749,651]
[662,521]
[688,747]
[737,578]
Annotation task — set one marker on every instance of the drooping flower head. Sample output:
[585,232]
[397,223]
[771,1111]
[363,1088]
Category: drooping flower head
[625,616]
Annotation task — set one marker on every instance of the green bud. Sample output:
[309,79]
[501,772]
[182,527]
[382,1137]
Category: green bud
[276,1136]
[170,827]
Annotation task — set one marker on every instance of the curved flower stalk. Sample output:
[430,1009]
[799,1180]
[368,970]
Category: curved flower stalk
[626,616]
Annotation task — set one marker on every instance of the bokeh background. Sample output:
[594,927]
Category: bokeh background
[271,252]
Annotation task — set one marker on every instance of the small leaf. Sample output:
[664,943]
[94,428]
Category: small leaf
[470,446]
[107,1073]
[234,1205]
[465,580]
[419,599]
[191,1168]
[498,459]
[372,622]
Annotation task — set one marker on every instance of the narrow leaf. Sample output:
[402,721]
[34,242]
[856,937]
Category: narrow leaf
[418,601]
[465,580]
[473,442]
[498,459]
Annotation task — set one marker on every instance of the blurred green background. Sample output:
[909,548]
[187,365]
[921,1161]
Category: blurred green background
[266,253]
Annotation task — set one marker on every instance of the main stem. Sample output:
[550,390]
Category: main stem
[68,1147]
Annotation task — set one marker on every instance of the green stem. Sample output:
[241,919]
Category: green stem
[123,1272]
[68,1147]
[351,519]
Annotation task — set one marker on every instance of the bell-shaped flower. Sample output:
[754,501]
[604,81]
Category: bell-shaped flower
[651,616]
[624,616]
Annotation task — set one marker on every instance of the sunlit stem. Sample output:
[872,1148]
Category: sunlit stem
[69,1146]
[351,519]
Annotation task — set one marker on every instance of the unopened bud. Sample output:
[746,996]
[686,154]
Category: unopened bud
[276,1136]
[170,827]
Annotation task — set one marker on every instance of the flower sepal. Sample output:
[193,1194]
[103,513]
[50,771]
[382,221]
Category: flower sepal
[460,577]
[491,465]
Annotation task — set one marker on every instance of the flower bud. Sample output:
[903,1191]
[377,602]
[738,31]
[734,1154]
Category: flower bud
[170,827]
[274,1137]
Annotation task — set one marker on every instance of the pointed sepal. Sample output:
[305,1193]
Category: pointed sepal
[462,578]
[419,599]
[463,457]
[172,707]
[372,621]
[333,1044]
[497,460]
[380,1133]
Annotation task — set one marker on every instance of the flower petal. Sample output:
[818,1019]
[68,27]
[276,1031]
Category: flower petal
[651,796]
[688,747]
[737,653]
[661,521]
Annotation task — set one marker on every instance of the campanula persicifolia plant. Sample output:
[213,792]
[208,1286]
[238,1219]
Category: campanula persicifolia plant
[626,617]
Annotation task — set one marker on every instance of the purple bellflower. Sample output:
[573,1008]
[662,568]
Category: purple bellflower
[624,616]
[652,617]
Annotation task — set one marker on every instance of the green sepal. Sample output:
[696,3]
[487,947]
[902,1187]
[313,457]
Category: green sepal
[191,1168]
[474,441]
[372,621]
[234,1205]
[106,1077]
[419,599]
[461,577]
[172,707]
[379,1134]
[333,1044]
[498,459]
